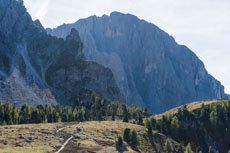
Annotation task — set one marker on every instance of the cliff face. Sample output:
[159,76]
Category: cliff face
[37,68]
[150,68]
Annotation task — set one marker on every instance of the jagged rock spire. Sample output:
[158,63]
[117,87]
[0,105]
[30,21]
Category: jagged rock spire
[73,36]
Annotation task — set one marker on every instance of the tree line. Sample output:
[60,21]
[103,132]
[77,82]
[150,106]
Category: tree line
[97,109]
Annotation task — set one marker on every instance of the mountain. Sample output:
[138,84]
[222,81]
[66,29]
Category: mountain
[150,68]
[37,68]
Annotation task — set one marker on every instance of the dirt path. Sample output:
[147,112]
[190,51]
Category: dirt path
[63,146]
[61,129]
[67,141]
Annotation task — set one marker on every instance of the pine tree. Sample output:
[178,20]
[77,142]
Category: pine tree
[126,135]
[4,123]
[45,120]
[214,118]
[168,148]
[1,112]
[175,124]
[126,119]
[188,149]
[113,117]
[7,111]
[198,149]
[148,126]
[153,122]
[119,141]
[25,114]
[210,150]
[59,119]
[140,119]
[180,148]
[133,138]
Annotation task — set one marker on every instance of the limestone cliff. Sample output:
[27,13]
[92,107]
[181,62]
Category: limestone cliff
[150,68]
[37,68]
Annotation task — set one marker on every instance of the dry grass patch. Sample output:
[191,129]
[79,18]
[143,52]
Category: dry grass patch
[90,136]
[37,138]
[100,137]
[191,106]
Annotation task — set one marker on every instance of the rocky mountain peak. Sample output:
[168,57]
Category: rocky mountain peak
[73,36]
[150,68]
[37,68]
[74,46]
[38,24]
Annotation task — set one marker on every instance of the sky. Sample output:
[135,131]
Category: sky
[201,25]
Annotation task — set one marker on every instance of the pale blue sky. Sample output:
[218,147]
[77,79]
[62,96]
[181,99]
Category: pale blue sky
[202,25]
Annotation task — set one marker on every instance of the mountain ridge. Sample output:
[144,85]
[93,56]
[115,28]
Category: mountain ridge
[150,68]
[29,58]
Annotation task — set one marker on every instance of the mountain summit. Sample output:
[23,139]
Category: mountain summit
[150,68]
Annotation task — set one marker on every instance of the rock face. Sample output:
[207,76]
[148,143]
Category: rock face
[150,68]
[37,68]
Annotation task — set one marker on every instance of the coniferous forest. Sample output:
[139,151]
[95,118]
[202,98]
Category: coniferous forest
[97,110]
[199,129]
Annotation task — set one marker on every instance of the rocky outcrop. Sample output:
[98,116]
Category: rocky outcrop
[150,68]
[37,68]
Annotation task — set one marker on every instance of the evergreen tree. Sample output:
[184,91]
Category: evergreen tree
[148,126]
[1,111]
[210,150]
[126,135]
[119,141]
[175,124]
[188,149]
[113,117]
[153,122]
[133,138]
[45,120]
[214,118]
[95,110]
[4,123]
[140,119]
[198,149]
[168,148]
[59,119]
[7,111]
[180,148]
[25,114]
[126,119]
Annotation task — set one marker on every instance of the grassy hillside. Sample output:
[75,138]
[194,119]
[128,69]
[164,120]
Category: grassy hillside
[191,107]
[92,136]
